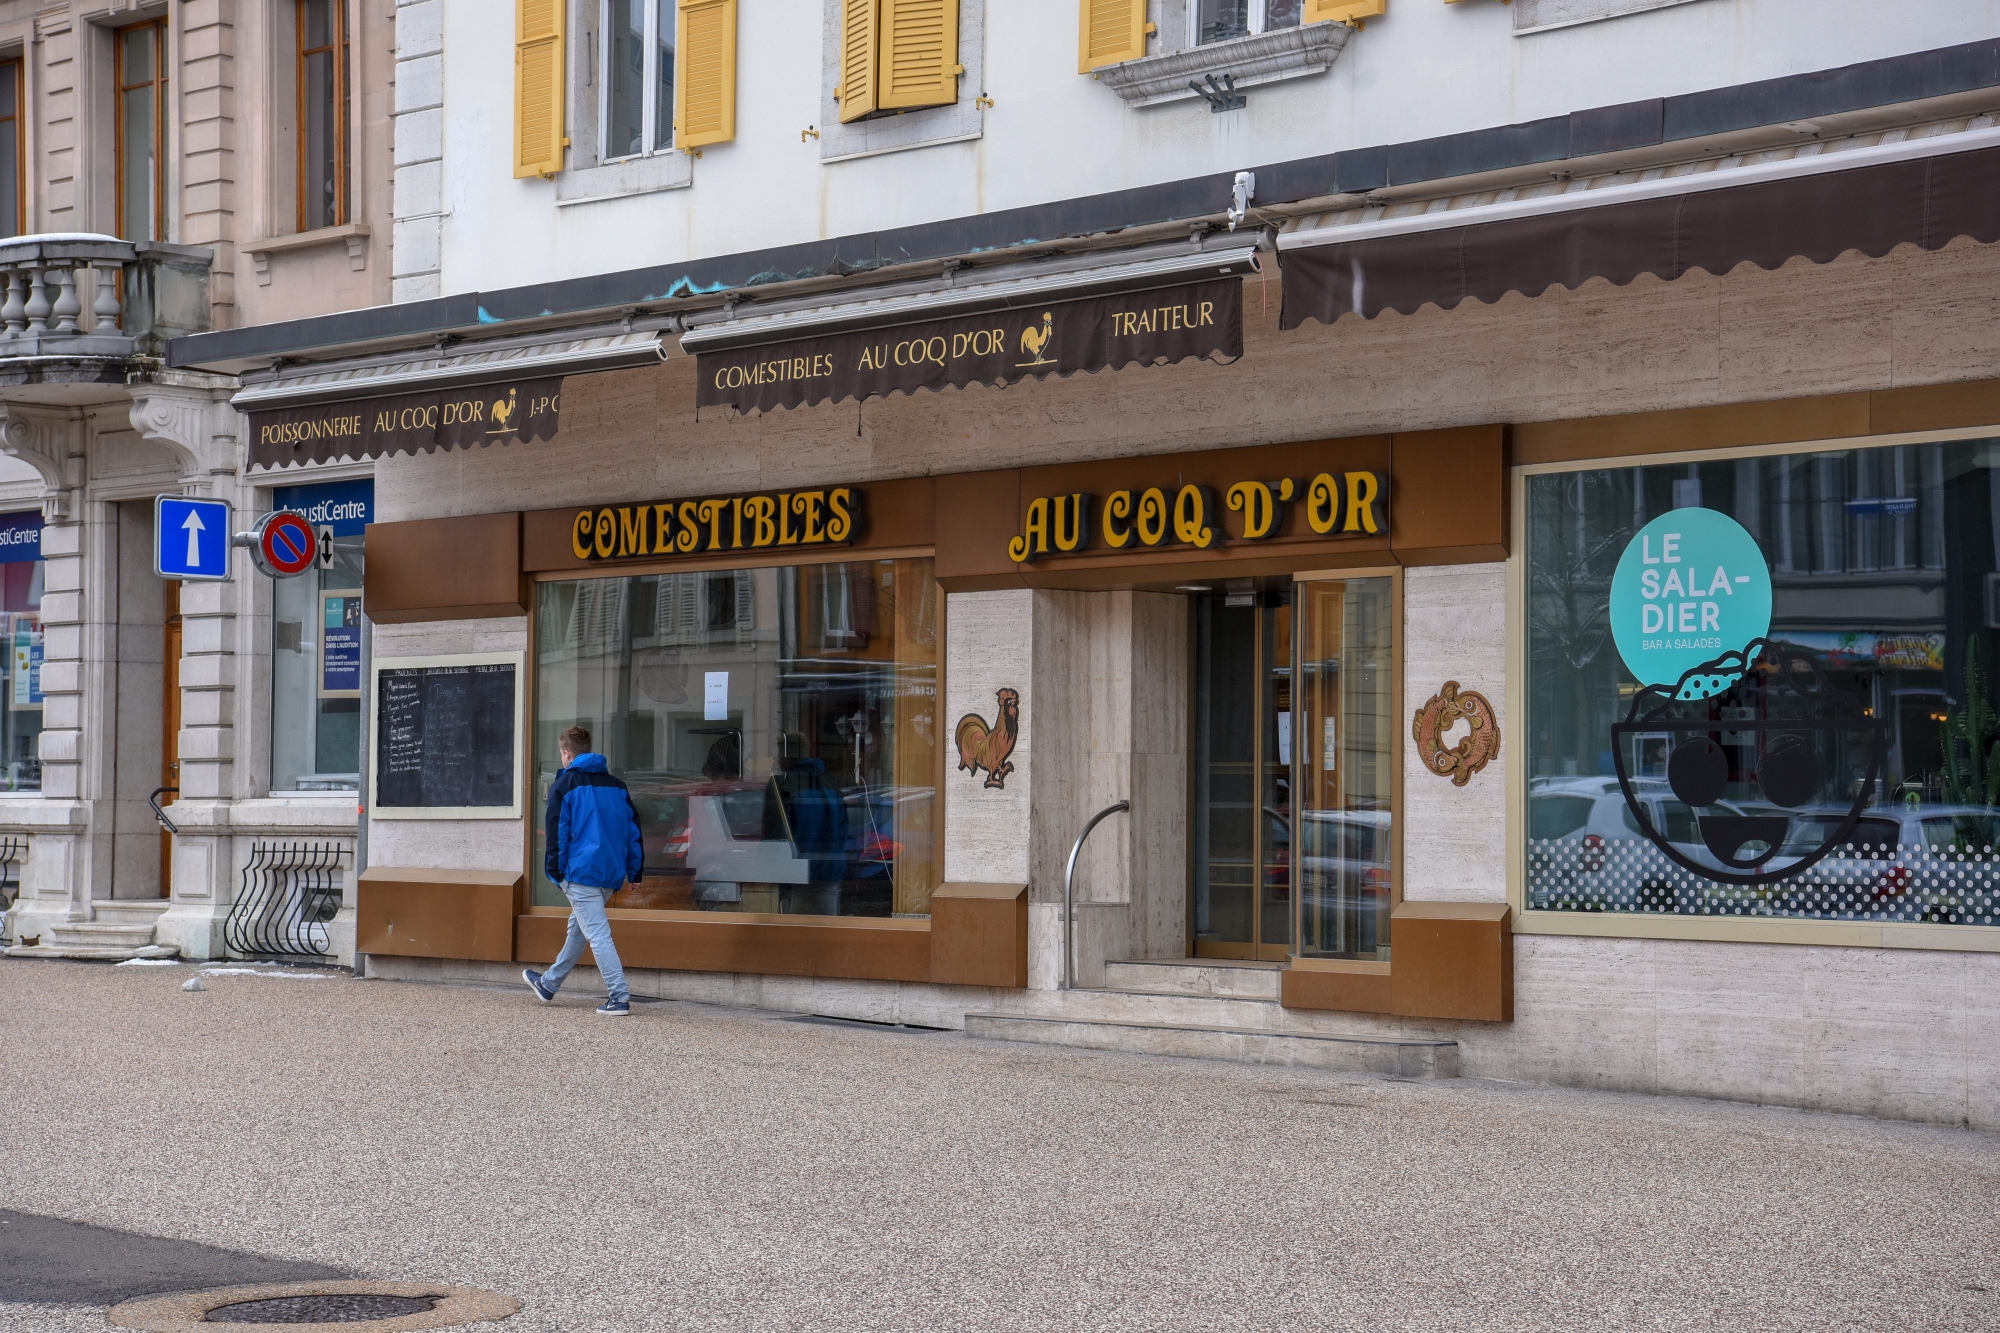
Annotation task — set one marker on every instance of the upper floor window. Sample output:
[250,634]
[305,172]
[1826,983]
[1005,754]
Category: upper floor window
[12,159]
[1223,20]
[323,112]
[141,73]
[638,77]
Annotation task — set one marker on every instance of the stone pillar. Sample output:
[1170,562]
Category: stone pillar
[1454,623]
[417,247]
[1102,684]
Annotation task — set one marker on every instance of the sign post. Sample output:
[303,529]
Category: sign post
[191,538]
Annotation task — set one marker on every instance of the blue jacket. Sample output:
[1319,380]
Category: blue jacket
[593,829]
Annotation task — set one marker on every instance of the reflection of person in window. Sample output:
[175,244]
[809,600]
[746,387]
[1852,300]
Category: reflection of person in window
[818,818]
[725,758]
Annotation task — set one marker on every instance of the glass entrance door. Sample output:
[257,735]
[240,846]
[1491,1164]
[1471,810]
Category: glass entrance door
[1242,775]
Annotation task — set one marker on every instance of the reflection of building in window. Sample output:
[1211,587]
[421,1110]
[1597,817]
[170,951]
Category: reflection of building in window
[323,112]
[141,76]
[13,151]
[638,110]
[1881,562]
[776,726]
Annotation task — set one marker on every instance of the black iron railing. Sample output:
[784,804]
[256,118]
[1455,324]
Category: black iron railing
[290,891]
[13,851]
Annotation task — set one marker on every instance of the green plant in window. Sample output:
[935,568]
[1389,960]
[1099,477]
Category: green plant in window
[1972,753]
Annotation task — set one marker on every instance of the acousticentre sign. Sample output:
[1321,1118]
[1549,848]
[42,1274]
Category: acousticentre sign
[407,423]
[1155,327]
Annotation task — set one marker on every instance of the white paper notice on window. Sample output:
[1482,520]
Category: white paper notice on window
[1329,755]
[1284,738]
[715,696]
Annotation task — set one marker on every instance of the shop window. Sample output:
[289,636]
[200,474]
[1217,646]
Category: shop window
[139,63]
[13,151]
[777,729]
[323,113]
[1765,686]
[316,647]
[21,573]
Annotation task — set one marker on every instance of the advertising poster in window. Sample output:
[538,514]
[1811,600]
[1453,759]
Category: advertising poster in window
[340,645]
[26,633]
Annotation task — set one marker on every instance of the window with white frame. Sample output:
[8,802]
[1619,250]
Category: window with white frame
[636,78]
[1226,20]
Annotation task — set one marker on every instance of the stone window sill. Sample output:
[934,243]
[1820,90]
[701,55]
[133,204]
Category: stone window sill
[1533,16]
[1289,53]
[353,234]
[669,170]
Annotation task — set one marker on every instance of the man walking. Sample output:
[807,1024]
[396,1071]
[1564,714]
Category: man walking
[593,851]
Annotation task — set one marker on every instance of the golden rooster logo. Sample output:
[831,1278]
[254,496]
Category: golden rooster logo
[981,746]
[1035,342]
[502,414]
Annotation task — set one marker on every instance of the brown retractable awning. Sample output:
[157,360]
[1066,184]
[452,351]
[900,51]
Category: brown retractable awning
[1156,326]
[1926,201]
[407,423]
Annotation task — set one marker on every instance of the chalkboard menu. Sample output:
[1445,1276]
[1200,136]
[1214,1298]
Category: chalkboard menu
[444,736]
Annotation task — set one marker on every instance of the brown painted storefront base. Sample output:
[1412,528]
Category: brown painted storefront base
[977,934]
[1452,960]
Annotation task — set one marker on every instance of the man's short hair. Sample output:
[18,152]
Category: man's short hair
[575,739]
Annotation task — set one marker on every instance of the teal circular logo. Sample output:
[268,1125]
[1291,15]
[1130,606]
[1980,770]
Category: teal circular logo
[1691,586]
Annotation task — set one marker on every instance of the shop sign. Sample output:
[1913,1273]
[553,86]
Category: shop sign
[408,423]
[1331,504]
[1690,586]
[340,645]
[1156,327]
[20,537]
[347,507]
[776,520]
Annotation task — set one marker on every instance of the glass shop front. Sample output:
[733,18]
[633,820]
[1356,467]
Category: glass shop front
[1763,685]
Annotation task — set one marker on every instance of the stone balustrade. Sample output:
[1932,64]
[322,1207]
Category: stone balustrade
[83,295]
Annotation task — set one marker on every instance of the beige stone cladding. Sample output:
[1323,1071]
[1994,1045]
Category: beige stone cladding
[1103,675]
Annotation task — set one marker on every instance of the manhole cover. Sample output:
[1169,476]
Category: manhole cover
[366,1305]
[327,1309]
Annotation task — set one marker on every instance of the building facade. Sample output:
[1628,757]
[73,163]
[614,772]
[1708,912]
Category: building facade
[168,169]
[1492,505]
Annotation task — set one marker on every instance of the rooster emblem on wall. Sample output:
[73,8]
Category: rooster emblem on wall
[981,746]
[1035,341]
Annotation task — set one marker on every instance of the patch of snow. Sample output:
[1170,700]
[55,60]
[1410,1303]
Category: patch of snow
[258,972]
[149,962]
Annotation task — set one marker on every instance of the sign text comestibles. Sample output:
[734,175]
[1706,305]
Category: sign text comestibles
[408,423]
[824,517]
[1329,504]
[1160,326]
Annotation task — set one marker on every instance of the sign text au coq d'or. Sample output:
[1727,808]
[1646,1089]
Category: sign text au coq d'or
[1331,504]
[776,520]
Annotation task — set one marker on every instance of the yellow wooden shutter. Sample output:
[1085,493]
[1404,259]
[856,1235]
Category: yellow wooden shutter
[1112,30]
[860,38]
[919,64]
[538,87]
[1342,11]
[705,73]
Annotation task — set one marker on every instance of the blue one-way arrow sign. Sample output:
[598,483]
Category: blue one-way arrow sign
[190,538]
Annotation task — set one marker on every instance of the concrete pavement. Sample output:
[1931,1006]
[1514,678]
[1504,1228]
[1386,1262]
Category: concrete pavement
[694,1167]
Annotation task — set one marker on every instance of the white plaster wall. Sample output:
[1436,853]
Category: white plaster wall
[1454,628]
[1422,69]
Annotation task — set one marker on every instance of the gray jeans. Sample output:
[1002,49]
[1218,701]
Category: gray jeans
[587,922]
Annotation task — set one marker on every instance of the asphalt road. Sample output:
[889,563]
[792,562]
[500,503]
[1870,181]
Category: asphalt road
[694,1167]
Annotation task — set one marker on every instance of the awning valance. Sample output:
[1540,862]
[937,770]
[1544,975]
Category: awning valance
[1920,192]
[1038,337]
[407,423]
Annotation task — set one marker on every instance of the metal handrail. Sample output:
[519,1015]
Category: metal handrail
[159,814]
[1069,893]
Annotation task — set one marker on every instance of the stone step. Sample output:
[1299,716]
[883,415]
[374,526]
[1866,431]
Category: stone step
[1397,1057]
[98,934]
[134,911]
[1195,976]
[1218,1011]
[89,953]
